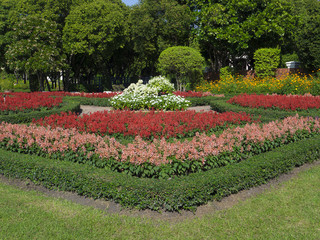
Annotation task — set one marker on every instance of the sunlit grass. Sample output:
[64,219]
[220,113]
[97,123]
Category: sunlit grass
[289,211]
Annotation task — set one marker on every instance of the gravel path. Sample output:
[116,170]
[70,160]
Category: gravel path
[86,109]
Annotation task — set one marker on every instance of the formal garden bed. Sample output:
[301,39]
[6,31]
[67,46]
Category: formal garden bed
[172,160]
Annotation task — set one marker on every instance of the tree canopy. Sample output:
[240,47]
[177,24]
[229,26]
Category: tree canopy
[80,39]
[228,29]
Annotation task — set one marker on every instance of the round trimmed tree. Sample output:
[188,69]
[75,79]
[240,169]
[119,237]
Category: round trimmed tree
[185,64]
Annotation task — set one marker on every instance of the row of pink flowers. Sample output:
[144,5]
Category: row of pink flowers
[158,151]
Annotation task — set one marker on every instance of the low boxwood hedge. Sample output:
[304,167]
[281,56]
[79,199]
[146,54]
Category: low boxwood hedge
[67,105]
[186,192]
[102,102]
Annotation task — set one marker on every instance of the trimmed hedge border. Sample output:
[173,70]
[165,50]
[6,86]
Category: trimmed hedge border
[67,105]
[185,192]
[102,102]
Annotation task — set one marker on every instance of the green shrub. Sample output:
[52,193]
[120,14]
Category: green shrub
[266,61]
[184,63]
[6,81]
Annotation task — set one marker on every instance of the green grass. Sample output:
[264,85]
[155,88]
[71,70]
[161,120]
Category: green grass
[290,211]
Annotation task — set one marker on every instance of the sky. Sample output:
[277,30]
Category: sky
[130,2]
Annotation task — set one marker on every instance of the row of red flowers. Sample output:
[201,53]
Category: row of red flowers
[287,102]
[21,101]
[144,124]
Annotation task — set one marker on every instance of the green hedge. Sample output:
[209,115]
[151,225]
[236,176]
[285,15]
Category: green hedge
[267,115]
[67,105]
[185,192]
[102,102]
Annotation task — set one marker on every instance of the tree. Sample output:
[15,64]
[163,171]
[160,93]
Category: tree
[185,63]
[307,34]
[34,48]
[51,10]
[228,29]
[94,31]
[154,26]
[5,7]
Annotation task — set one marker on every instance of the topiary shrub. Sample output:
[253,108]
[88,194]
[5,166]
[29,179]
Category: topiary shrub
[266,61]
[184,63]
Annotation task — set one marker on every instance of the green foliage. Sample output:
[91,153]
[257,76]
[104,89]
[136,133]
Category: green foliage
[288,58]
[225,72]
[176,194]
[95,28]
[185,63]
[226,29]
[266,61]
[5,7]
[34,47]
[6,81]
[102,102]
[154,26]
[307,34]
[162,84]
[93,34]
[68,105]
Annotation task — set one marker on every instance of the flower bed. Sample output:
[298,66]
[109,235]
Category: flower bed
[156,94]
[192,94]
[144,124]
[25,102]
[290,102]
[290,84]
[158,158]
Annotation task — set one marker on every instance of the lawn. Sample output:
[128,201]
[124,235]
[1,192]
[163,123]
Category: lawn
[289,210]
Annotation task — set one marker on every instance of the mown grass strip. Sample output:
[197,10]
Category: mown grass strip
[288,211]
[185,192]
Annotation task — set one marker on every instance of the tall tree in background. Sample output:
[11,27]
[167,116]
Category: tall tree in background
[5,7]
[93,33]
[307,33]
[228,29]
[154,26]
[40,12]
[34,49]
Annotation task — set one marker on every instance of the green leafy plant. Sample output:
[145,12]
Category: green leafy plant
[226,72]
[184,63]
[6,81]
[266,61]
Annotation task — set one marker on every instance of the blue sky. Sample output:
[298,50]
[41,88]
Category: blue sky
[130,2]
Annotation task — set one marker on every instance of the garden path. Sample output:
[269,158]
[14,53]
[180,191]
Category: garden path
[86,109]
